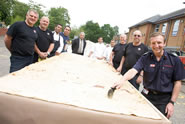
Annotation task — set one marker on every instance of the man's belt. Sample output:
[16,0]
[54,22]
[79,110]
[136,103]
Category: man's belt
[147,91]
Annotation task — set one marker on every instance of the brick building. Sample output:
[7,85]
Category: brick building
[172,25]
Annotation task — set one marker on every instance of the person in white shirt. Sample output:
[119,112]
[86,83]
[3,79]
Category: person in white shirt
[58,41]
[98,49]
[108,51]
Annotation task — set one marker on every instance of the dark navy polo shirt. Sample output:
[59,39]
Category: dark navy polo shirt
[118,52]
[23,39]
[160,75]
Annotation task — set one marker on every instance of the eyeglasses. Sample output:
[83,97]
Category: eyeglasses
[137,35]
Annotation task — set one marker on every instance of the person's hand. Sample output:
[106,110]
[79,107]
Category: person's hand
[169,110]
[119,69]
[110,63]
[57,53]
[99,58]
[139,79]
[43,55]
[117,85]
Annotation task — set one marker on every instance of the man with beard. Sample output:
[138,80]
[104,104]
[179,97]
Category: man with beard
[162,75]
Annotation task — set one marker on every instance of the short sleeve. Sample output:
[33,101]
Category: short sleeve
[52,39]
[140,64]
[12,30]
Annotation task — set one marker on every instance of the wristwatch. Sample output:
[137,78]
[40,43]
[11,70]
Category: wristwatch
[172,102]
[48,53]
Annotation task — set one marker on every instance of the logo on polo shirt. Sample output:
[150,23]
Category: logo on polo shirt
[34,31]
[152,65]
[139,48]
[47,33]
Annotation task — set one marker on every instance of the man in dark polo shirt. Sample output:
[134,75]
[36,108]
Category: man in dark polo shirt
[117,52]
[20,40]
[133,51]
[45,42]
[162,75]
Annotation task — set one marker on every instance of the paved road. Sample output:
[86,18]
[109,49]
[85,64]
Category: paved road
[179,114]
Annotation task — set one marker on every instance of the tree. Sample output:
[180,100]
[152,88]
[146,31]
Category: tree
[5,10]
[58,16]
[107,32]
[20,9]
[75,31]
[92,31]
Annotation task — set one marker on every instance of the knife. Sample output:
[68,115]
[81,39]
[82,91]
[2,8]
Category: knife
[111,92]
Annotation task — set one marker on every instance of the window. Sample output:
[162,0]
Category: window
[164,28]
[175,28]
[157,28]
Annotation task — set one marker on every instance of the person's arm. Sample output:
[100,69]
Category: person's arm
[127,76]
[111,58]
[8,42]
[59,50]
[140,78]
[91,52]
[170,107]
[121,64]
[51,46]
[43,55]
[73,45]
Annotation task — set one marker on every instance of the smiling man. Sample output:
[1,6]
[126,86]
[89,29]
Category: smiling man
[132,52]
[162,75]
[45,42]
[20,40]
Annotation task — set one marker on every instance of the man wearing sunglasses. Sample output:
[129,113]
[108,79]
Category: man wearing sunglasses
[133,51]
[162,75]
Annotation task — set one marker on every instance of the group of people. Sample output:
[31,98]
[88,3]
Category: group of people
[160,71]
[29,44]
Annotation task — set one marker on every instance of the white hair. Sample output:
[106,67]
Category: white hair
[82,33]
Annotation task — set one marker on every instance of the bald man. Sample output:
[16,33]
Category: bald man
[117,52]
[133,51]
[45,43]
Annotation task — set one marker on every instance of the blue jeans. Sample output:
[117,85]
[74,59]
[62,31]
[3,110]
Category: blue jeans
[19,62]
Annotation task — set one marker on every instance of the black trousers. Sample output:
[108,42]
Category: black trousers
[159,100]
[19,62]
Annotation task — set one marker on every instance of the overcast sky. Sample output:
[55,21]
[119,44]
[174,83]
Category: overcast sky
[123,13]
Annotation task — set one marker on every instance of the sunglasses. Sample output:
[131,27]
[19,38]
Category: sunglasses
[137,35]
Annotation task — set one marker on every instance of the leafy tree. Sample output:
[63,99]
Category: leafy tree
[58,16]
[116,30]
[75,32]
[17,18]
[92,31]
[20,9]
[107,32]
[5,10]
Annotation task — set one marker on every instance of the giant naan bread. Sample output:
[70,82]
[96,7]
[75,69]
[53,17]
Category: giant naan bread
[78,81]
